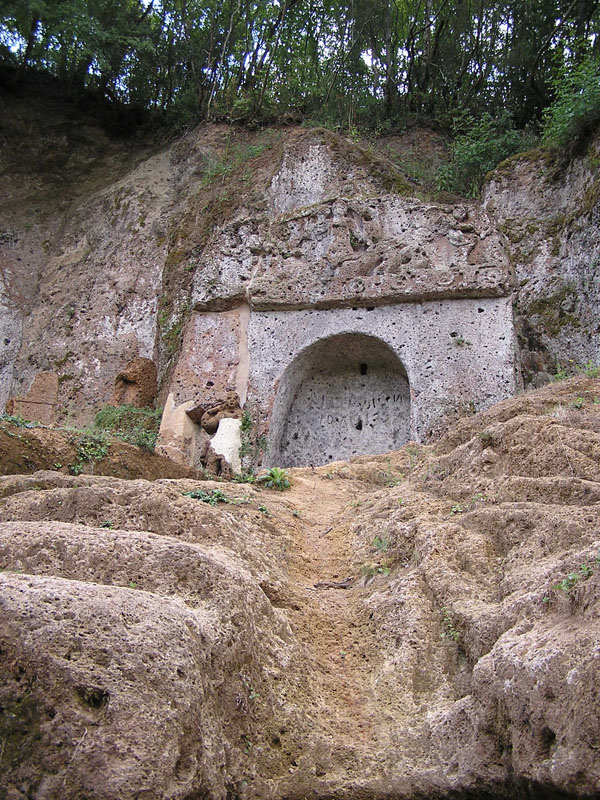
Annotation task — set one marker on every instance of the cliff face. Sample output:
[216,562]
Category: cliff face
[82,281]
[549,213]
[111,252]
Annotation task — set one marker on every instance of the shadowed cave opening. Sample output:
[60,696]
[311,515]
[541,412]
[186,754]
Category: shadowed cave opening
[343,396]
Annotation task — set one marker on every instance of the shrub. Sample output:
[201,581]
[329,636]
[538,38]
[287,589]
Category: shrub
[575,113]
[275,478]
[137,426]
[479,146]
[450,630]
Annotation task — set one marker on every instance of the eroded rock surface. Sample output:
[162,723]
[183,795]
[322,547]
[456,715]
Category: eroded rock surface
[549,213]
[187,650]
[151,254]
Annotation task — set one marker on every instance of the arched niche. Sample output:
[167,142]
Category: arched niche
[342,396]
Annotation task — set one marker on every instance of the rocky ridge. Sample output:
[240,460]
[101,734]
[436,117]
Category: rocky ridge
[188,650]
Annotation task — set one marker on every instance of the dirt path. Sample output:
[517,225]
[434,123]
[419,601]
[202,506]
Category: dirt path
[334,623]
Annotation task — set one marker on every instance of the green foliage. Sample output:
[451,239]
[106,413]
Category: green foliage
[244,477]
[137,426]
[371,570]
[480,145]
[590,370]
[275,478]
[381,543]
[252,445]
[570,369]
[246,422]
[450,630]
[568,583]
[346,64]
[571,581]
[211,498]
[234,157]
[487,438]
[91,447]
[575,113]
[17,421]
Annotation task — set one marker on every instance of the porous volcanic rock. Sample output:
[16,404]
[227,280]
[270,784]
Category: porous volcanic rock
[417,624]
[549,211]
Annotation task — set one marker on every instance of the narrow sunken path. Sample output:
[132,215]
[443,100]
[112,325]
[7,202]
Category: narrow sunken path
[333,623]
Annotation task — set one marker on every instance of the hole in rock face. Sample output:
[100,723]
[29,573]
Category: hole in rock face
[326,411]
[93,696]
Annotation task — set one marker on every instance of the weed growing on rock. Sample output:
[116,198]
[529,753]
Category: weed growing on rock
[570,581]
[413,454]
[450,630]
[460,341]
[91,447]
[381,543]
[18,421]
[137,426]
[252,445]
[223,166]
[244,477]
[573,578]
[253,695]
[570,369]
[371,570]
[211,498]
[275,478]
[486,438]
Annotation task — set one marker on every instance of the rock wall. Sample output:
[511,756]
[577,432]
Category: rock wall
[225,254]
[440,359]
[317,264]
[549,212]
[449,357]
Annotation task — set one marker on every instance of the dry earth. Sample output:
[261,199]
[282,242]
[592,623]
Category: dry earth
[155,646]
[29,449]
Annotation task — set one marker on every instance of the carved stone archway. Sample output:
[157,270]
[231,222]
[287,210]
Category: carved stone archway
[342,396]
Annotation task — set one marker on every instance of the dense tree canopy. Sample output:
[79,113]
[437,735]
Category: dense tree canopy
[348,61]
